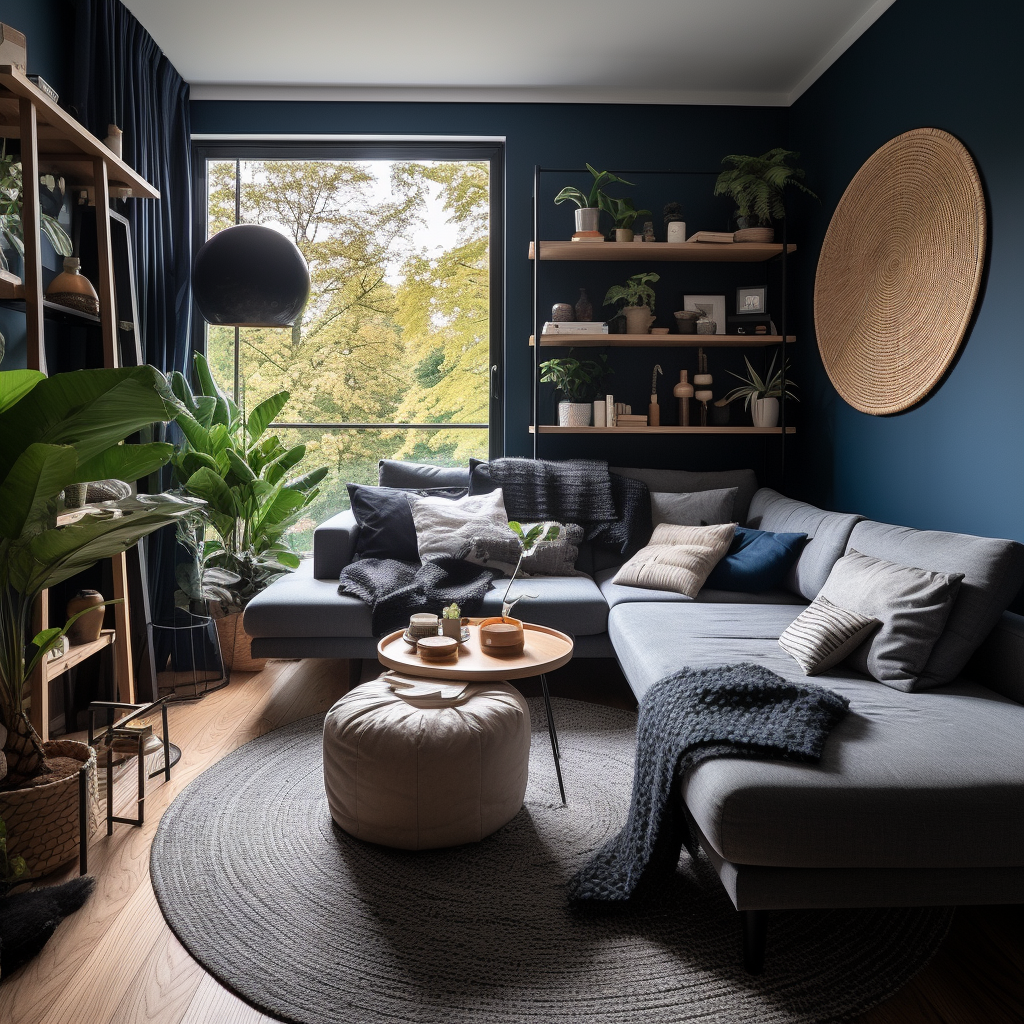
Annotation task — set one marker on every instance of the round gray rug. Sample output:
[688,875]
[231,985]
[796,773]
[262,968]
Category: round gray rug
[311,925]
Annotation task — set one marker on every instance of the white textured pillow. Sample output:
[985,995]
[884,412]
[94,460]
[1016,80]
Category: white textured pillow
[678,558]
[822,635]
[447,528]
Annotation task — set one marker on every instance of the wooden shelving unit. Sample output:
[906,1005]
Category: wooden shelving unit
[659,340]
[660,252]
[53,142]
[545,429]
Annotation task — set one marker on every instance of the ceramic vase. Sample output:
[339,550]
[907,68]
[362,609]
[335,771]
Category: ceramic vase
[638,319]
[588,218]
[584,307]
[765,412]
[561,313]
[574,414]
[86,628]
[71,289]
[676,230]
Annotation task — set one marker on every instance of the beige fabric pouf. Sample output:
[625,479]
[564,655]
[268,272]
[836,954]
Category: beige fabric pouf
[426,774]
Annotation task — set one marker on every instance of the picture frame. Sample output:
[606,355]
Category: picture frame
[713,304]
[751,300]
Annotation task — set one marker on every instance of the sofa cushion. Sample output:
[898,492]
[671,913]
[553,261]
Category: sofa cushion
[334,545]
[827,536]
[393,473]
[823,635]
[695,508]
[447,528]
[920,780]
[678,558]
[572,604]
[993,574]
[757,561]
[683,481]
[554,554]
[386,528]
[615,594]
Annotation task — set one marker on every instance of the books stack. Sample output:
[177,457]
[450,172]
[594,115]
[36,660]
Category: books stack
[588,236]
[629,420]
[720,237]
[575,327]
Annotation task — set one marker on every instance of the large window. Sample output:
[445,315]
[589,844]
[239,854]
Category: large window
[397,354]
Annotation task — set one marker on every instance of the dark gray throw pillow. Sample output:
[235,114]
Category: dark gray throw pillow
[386,527]
[694,508]
[912,604]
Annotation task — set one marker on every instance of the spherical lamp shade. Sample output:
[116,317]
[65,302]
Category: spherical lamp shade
[250,276]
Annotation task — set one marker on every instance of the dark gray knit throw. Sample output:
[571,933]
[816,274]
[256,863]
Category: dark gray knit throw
[741,710]
[569,491]
[394,589]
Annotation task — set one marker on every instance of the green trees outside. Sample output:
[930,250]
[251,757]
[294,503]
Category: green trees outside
[396,328]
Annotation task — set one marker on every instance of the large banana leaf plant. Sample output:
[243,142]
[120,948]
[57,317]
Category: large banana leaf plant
[244,474]
[57,431]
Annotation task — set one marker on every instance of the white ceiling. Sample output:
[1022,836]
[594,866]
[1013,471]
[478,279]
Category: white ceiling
[598,51]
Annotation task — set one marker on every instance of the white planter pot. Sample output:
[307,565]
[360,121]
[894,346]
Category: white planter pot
[623,235]
[765,412]
[588,218]
[676,230]
[574,414]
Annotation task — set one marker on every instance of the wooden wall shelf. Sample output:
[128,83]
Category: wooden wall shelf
[659,340]
[55,312]
[661,430]
[76,655]
[683,252]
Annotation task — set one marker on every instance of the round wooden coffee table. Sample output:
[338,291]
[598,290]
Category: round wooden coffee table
[545,649]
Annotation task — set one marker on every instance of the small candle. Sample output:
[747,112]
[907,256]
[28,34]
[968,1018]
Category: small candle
[422,624]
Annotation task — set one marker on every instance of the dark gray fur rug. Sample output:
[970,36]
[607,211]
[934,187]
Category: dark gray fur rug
[29,919]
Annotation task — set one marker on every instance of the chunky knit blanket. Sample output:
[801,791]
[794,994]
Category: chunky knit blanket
[571,491]
[394,589]
[741,710]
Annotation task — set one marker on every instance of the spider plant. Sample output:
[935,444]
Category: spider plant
[754,387]
[756,183]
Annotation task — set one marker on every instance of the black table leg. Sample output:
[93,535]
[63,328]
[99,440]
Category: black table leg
[552,734]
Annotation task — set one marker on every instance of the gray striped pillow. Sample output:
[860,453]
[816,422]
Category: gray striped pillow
[822,635]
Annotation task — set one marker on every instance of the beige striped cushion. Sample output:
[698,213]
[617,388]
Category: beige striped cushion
[678,558]
[822,635]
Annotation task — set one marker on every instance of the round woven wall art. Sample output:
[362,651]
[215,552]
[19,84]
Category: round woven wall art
[899,271]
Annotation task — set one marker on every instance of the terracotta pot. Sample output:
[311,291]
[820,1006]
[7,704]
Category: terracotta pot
[236,645]
[86,629]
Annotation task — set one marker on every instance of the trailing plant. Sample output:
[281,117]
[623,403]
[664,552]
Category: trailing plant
[577,379]
[754,387]
[637,291]
[528,540]
[594,198]
[622,211]
[58,431]
[756,183]
[11,228]
[244,474]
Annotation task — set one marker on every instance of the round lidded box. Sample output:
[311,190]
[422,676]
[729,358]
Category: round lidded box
[502,636]
[437,648]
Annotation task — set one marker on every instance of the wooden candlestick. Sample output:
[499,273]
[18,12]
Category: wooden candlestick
[684,392]
[654,413]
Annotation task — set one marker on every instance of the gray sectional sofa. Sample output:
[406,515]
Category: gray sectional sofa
[919,797]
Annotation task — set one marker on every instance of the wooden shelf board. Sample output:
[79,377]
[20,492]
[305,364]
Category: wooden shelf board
[661,430]
[65,147]
[78,654]
[683,252]
[55,311]
[659,340]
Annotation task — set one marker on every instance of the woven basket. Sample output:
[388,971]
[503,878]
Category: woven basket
[236,645]
[42,821]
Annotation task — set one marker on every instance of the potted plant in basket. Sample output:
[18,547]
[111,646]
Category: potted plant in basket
[624,216]
[58,431]
[637,298]
[761,396]
[252,499]
[756,184]
[577,379]
[588,216]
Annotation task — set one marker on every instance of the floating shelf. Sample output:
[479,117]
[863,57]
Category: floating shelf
[78,654]
[683,252]
[659,340]
[661,430]
[55,312]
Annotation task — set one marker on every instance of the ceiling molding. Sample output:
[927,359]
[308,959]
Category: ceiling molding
[845,41]
[466,94]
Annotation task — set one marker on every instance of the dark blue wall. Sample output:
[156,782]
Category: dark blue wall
[955,462]
[557,135]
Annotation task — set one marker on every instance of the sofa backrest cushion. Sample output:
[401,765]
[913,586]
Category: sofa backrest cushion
[679,481]
[993,573]
[999,662]
[828,534]
[392,473]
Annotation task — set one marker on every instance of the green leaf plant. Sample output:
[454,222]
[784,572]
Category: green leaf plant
[756,183]
[12,869]
[245,476]
[59,431]
[622,211]
[753,386]
[11,229]
[637,291]
[597,196]
[577,379]
[528,540]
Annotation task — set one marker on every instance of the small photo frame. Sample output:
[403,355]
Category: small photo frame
[750,300]
[713,305]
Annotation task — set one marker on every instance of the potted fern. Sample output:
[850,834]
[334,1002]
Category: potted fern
[577,379]
[590,204]
[762,396]
[637,298]
[756,185]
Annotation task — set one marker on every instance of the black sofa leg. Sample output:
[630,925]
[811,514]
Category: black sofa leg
[755,937]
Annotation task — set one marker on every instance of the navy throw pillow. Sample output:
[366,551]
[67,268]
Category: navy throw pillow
[386,528]
[757,561]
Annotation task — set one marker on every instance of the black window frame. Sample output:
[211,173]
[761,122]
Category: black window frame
[226,149]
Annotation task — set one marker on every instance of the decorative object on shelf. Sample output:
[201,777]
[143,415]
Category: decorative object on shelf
[712,305]
[702,381]
[648,230]
[705,325]
[750,323]
[762,396]
[720,413]
[114,139]
[653,409]
[13,48]
[588,216]
[250,275]
[756,184]
[659,330]
[578,380]
[637,297]
[567,328]
[712,237]
[686,320]
[11,235]
[72,289]
[42,85]
[624,215]
[750,300]
[600,407]
[675,226]
[87,609]
[584,307]
[253,498]
[684,391]
[451,621]
[916,208]
[562,313]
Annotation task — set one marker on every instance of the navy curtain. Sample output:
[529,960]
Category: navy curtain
[122,77]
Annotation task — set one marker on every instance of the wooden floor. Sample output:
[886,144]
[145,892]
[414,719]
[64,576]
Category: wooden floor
[116,961]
